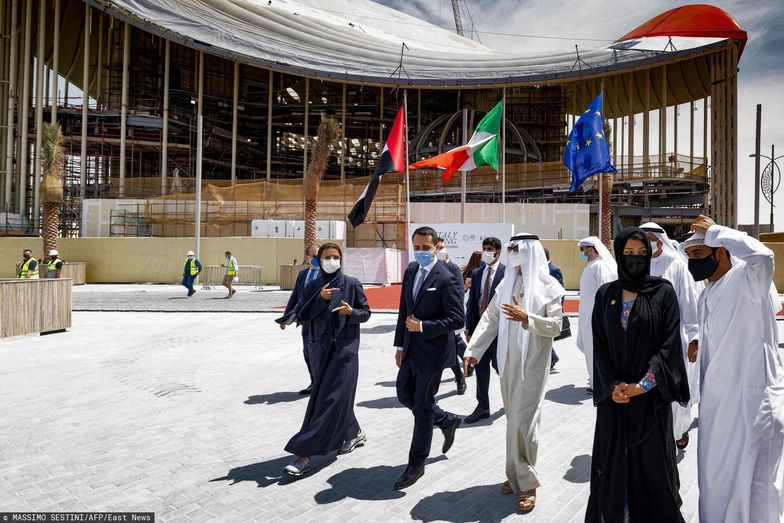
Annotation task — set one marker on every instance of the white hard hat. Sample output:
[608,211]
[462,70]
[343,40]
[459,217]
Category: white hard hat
[54,252]
[190,253]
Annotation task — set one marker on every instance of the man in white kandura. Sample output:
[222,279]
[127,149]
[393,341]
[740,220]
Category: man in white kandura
[525,314]
[741,430]
[667,263]
[600,269]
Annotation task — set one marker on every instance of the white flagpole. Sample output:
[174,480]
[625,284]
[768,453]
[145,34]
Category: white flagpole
[503,160]
[463,174]
[601,189]
[408,180]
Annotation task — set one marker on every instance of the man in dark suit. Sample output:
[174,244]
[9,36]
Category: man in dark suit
[566,331]
[484,280]
[431,310]
[303,278]
[460,346]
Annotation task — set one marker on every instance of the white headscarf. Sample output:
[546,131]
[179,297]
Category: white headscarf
[698,238]
[604,252]
[539,289]
[669,253]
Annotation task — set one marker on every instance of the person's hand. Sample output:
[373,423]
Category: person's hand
[693,348]
[344,308]
[467,283]
[398,358]
[282,326]
[468,361]
[413,324]
[326,292]
[514,311]
[631,390]
[618,394]
[702,224]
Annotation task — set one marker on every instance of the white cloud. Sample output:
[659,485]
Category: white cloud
[761,78]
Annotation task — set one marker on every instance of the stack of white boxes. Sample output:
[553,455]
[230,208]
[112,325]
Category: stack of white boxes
[325,229]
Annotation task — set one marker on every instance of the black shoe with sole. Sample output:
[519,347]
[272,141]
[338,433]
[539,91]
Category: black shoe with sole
[449,433]
[477,415]
[462,386]
[409,477]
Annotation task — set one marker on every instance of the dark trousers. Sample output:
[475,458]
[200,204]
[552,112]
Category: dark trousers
[187,282]
[416,390]
[460,348]
[307,353]
[483,378]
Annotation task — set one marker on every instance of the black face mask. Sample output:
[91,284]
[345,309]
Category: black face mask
[635,264]
[703,268]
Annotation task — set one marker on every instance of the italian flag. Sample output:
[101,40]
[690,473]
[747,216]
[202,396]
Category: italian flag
[481,149]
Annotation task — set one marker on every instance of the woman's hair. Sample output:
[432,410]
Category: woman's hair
[474,262]
[639,236]
[330,246]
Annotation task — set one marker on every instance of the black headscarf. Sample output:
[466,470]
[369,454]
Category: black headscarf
[644,282]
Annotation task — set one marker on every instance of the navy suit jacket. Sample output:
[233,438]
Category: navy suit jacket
[296,298]
[555,272]
[439,305]
[472,308]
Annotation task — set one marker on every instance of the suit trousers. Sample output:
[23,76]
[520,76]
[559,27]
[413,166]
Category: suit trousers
[416,389]
[460,348]
[483,378]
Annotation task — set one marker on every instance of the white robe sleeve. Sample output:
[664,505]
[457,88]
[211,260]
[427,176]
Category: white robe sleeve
[758,258]
[548,325]
[486,330]
[687,291]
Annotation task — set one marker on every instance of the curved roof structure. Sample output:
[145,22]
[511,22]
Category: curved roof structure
[361,41]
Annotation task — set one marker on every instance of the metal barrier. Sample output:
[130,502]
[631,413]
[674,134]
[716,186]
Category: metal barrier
[212,276]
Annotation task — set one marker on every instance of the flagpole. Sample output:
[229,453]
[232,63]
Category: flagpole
[408,181]
[503,160]
[463,172]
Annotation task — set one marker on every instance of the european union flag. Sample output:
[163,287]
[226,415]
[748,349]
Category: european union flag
[586,152]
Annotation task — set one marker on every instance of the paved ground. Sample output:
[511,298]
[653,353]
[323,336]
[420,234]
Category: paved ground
[186,415]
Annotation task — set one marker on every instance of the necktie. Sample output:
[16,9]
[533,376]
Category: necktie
[310,276]
[418,283]
[485,292]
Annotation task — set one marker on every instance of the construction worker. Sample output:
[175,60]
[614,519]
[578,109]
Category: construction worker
[232,269]
[55,264]
[189,273]
[28,267]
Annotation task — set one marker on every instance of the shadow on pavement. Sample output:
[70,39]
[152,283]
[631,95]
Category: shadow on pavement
[393,383]
[485,422]
[483,503]
[580,471]
[567,395]
[177,298]
[271,472]
[393,403]
[275,397]
[379,329]
[369,484]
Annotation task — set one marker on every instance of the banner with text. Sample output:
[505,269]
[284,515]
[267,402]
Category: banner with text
[462,239]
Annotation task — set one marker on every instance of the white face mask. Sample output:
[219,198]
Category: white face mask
[514,259]
[488,257]
[442,254]
[330,266]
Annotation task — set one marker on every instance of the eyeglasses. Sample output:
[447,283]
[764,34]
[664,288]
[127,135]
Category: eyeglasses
[513,248]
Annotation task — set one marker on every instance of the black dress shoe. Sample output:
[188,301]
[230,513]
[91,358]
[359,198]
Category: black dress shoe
[477,415]
[470,370]
[461,385]
[449,433]
[409,477]
[307,390]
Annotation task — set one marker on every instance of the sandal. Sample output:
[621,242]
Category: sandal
[527,501]
[506,488]
[683,442]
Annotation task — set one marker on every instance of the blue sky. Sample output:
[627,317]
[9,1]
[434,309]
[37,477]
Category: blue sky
[598,22]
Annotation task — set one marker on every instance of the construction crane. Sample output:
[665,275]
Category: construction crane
[458,21]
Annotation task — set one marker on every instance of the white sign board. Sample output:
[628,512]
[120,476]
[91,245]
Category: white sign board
[462,239]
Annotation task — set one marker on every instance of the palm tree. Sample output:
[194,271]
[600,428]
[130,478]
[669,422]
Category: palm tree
[328,133]
[52,185]
[607,184]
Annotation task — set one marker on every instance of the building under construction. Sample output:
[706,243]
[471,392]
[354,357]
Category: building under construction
[128,79]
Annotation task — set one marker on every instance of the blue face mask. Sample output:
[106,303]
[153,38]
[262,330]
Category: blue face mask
[423,258]
[583,256]
[314,262]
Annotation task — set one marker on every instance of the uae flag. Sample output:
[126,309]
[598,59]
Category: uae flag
[393,158]
[481,149]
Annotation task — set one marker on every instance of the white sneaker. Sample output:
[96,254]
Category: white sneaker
[351,444]
[300,466]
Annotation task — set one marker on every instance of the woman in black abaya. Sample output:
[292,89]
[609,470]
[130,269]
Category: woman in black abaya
[638,373]
[334,306]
